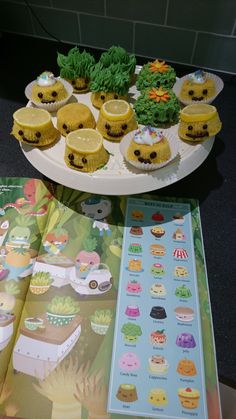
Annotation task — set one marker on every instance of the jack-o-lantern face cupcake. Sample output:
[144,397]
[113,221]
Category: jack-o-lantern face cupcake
[116,119]
[199,122]
[85,151]
[34,127]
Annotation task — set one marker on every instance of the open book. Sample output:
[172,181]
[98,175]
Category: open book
[60,257]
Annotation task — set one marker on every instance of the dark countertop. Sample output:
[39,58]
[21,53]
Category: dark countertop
[213,183]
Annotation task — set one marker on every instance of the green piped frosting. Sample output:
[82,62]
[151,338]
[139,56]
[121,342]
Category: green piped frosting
[147,78]
[150,112]
[111,79]
[118,55]
[75,64]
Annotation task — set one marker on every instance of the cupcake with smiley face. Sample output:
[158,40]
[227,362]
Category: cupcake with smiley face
[48,92]
[148,148]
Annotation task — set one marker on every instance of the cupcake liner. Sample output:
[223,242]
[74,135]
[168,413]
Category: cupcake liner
[219,84]
[173,143]
[50,107]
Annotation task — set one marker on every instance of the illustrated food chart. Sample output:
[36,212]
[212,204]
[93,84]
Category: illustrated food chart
[157,364]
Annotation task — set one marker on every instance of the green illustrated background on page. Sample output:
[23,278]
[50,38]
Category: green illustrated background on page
[157,366]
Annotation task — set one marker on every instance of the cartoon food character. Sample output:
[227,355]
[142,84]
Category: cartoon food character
[131,332]
[55,241]
[189,397]
[158,231]
[116,118]
[137,215]
[100,321]
[180,253]
[158,365]
[178,218]
[127,393]
[87,258]
[181,272]
[199,122]
[158,397]
[135,265]
[158,312]
[158,338]
[158,290]
[186,367]
[132,311]
[40,282]
[8,299]
[108,83]
[157,269]
[129,361]
[134,287]
[178,235]
[185,340]
[62,310]
[76,67]
[48,89]
[136,231]
[135,248]
[158,216]
[198,86]
[183,292]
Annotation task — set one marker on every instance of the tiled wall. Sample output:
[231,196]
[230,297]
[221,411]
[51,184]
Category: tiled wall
[198,32]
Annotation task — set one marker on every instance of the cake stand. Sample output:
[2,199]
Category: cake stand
[117,177]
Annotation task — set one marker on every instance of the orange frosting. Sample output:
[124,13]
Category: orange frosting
[159,95]
[159,66]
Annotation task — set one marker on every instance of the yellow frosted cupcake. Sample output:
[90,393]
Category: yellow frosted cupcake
[48,89]
[148,147]
[34,127]
[116,119]
[85,151]
[74,116]
[199,122]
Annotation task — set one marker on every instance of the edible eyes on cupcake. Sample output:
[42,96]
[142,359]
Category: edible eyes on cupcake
[116,133]
[190,127]
[37,135]
[191,93]
[152,156]
[53,94]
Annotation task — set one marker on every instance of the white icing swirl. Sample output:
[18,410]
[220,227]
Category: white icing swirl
[46,79]
[148,135]
[198,76]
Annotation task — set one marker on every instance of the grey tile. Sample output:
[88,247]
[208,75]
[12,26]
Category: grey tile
[62,24]
[103,32]
[211,15]
[15,17]
[86,6]
[217,52]
[142,10]
[161,42]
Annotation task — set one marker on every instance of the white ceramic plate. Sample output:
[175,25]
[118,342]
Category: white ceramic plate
[117,177]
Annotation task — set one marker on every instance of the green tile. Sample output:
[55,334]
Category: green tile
[161,42]
[86,6]
[38,2]
[62,24]
[15,17]
[103,32]
[217,52]
[142,10]
[211,15]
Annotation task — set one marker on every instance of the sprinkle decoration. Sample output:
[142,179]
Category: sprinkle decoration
[159,66]
[159,95]
[198,76]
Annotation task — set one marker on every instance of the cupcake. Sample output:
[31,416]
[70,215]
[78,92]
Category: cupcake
[157,107]
[118,55]
[74,116]
[148,148]
[199,86]
[189,397]
[156,74]
[34,127]
[199,122]
[116,118]
[85,151]
[108,84]
[76,68]
[48,92]
[158,365]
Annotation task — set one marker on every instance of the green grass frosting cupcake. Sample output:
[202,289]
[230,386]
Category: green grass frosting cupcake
[157,107]
[156,74]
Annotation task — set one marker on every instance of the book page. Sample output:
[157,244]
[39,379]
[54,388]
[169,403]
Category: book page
[23,213]
[61,359]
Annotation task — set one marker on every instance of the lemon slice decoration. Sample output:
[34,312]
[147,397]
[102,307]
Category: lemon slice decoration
[85,141]
[32,117]
[116,110]
[198,112]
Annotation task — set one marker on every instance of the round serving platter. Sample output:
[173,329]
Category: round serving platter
[117,177]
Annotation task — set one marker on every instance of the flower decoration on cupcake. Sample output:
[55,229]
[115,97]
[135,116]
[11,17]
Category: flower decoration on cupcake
[159,66]
[159,95]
